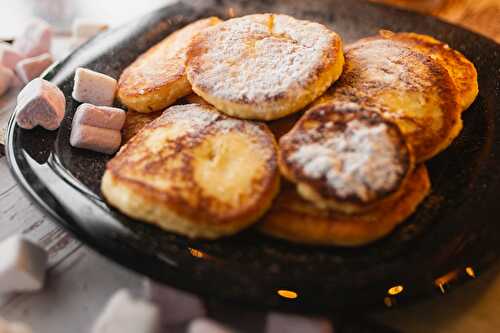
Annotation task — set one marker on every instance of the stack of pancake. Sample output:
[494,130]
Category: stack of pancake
[269,120]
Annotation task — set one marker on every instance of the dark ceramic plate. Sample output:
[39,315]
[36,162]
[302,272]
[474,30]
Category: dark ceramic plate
[452,237]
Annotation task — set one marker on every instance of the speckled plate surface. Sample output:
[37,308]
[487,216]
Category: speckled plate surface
[451,238]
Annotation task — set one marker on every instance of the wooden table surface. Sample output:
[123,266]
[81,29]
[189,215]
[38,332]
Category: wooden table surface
[80,281]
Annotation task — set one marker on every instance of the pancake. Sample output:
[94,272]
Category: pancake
[196,172]
[462,71]
[158,77]
[263,66]
[135,121]
[297,220]
[345,157]
[194,99]
[409,87]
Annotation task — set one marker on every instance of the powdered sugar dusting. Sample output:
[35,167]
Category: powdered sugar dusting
[359,161]
[258,57]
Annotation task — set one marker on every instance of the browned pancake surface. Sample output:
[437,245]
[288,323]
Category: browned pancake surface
[345,157]
[295,219]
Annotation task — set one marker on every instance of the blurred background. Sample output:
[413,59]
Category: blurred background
[482,16]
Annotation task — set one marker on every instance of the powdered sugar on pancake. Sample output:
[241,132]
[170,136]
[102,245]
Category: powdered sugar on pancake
[260,57]
[359,161]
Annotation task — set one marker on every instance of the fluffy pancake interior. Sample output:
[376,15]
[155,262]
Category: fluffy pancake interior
[196,172]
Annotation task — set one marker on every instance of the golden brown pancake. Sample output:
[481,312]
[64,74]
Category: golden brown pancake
[462,71]
[196,172]
[345,157]
[263,66]
[135,121]
[158,77]
[295,219]
[409,87]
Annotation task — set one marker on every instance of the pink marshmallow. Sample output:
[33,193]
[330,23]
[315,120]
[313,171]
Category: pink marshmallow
[99,116]
[9,57]
[281,323]
[40,103]
[30,68]
[94,88]
[6,79]
[175,306]
[35,40]
[101,140]
[203,325]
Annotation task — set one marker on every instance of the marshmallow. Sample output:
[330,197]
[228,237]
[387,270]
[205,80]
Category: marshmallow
[35,40]
[101,140]
[22,265]
[97,128]
[30,68]
[127,315]
[87,28]
[6,79]
[13,327]
[93,87]
[281,323]
[9,57]
[203,325]
[99,116]
[175,306]
[40,103]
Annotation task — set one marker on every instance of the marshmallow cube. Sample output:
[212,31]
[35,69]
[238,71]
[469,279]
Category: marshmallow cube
[203,325]
[125,314]
[175,306]
[6,79]
[22,265]
[281,323]
[87,28]
[94,88]
[97,128]
[35,40]
[99,116]
[30,68]
[101,140]
[13,327]
[40,103]
[9,57]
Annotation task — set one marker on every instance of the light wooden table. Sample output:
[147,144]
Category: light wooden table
[81,281]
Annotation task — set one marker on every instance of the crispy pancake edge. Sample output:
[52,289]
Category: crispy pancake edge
[288,220]
[162,94]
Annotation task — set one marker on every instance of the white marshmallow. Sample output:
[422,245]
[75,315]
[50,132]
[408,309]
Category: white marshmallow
[175,306]
[101,140]
[283,323]
[99,116]
[40,103]
[87,28]
[30,68]
[13,327]
[94,88]
[124,314]
[6,79]
[35,40]
[203,325]
[9,57]
[22,265]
